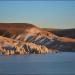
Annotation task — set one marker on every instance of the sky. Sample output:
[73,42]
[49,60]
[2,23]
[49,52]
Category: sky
[48,14]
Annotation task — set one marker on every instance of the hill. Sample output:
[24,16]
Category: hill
[63,32]
[32,39]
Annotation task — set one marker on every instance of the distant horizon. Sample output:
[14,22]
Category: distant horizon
[46,14]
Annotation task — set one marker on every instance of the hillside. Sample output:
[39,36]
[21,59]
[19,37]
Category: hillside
[63,32]
[26,38]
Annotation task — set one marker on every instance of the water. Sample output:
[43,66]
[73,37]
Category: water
[55,64]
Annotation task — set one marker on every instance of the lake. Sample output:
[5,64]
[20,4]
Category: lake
[62,63]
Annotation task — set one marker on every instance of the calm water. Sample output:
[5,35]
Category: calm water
[54,64]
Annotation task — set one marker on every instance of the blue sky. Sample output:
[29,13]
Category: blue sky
[53,14]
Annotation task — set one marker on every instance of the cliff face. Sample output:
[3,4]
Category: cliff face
[20,38]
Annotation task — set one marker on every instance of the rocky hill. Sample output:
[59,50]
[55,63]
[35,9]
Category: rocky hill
[24,38]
